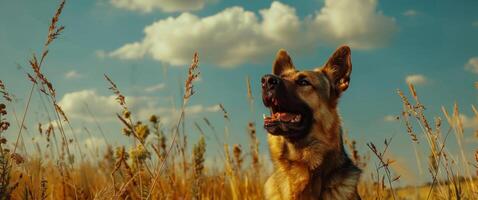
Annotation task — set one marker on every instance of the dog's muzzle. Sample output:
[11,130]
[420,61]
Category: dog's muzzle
[270,86]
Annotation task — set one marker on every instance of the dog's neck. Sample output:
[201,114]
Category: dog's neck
[302,150]
[311,150]
[299,159]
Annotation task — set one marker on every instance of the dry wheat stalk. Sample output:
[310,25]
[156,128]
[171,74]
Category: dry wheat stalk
[199,150]
[193,73]
[53,32]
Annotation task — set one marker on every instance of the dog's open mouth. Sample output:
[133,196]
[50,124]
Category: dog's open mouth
[285,118]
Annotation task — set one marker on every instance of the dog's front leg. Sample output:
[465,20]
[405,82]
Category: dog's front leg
[299,177]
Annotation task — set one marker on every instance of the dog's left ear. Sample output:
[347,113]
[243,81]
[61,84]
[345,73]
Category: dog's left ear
[338,68]
[282,63]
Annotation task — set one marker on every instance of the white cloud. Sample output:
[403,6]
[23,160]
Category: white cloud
[390,118]
[171,115]
[472,65]
[196,109]
[73,74]
[104,108]
[147,6]
[416,79]
[130,51]
[469,122]
[95,143]
[155,88]
[235,36]
[410,13]
[356,23]
[53,123]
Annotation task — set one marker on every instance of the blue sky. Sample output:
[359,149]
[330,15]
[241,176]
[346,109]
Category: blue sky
[434,44]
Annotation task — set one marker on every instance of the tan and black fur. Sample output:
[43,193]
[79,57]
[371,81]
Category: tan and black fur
[308,156]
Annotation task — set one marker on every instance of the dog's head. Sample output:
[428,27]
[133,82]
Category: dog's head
[299,100]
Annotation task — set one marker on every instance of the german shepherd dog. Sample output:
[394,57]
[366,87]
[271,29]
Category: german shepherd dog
[305,135]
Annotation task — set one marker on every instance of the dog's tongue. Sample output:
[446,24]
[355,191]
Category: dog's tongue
[282,116]
[286,116]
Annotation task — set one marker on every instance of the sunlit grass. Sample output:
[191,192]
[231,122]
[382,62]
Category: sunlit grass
[169,165]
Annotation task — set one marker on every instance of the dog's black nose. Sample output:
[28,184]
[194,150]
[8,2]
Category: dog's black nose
[270,81]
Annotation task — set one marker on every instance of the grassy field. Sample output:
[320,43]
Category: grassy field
[162,164]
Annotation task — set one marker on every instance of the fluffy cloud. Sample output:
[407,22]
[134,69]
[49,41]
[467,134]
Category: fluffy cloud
[410,13]
[76,105]
[416,79]
[472,65]
[354,22]
[155,88]
[234,35]
[147,6]
[196,109]
[469,122]
[94,143]
[104,108]
[53,123]
[169,116]
[73,74]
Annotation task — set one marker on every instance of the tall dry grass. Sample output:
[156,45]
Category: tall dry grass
[161,164]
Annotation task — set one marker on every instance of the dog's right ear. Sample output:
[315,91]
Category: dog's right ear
[282,63]
[338,68]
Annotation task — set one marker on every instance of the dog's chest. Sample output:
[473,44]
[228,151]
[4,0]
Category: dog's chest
[308,157]
[303,185]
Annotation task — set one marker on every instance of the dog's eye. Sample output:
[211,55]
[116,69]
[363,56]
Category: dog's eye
[303,82]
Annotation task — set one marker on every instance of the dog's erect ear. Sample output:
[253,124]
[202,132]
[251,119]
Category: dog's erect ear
[338,68]
[282,63]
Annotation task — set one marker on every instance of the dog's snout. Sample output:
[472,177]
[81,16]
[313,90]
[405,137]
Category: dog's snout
[269,81]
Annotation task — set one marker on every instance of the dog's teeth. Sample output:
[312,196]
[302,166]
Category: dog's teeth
[264,116]
[296,118]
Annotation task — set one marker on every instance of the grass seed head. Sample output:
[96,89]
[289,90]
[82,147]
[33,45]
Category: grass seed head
[139,153]
[193,74]
[141,131]
[153,119]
